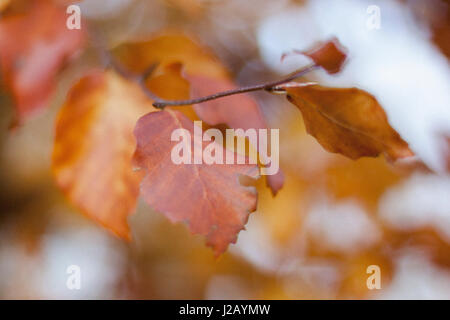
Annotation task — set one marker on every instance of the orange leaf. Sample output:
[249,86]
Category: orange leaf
[206,75]
[34,47]
[348,121]
[208,197]
[4,4]
[237,111]
[93,148]
[330,55]
[169,48]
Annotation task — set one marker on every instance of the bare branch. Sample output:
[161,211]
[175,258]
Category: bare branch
[263,86]
[110,62]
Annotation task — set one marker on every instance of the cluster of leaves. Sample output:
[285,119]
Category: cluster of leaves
[112,144]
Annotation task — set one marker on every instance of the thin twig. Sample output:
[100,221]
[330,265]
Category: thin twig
[263,86]
[110,62]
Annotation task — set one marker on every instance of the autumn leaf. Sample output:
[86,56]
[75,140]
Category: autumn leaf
[167,48]
[329,55]
[232,110]
[348,121]
[93,148]
[207,197]
[35,45]
[4,4]
[237,111]
[169,84]
[206,75]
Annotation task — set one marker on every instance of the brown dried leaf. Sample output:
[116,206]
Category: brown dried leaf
[236,111]
[206,75]
[208,197]
[348,121]
[330,55]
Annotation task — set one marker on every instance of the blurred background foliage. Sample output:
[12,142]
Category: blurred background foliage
[333,218]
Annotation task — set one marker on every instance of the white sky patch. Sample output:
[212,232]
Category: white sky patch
[397,63]
[421,201]
[415,277]
[321,274]
[44,276]
[92,250]
[102,9]
[257,247]
[341,227]
[227,287]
